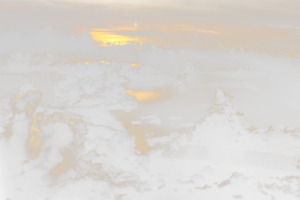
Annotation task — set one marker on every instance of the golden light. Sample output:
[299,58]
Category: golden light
[136,65]
[145,95]
[110,38]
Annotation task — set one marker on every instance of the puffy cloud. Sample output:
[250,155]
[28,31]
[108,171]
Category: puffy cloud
[253,130]
[287,185]
[236,180]
[85,37]
[295,133]
[221,125]
[270,131]
[48,159]
[26,102]
[24,60]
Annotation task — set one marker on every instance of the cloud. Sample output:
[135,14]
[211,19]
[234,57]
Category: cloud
[182,79]
[26,102]
[47,156]
[161,186]
[237,197]
[283,26]
[154,119]
[204,187]
[235,181]
[25,60]
[106,91]
[175,118]
[221,125]
[287,185]
[12,37]
[26,87]
[85,37]
[202,30]
[253,130]
[47,29]
[135,122]
[143,77]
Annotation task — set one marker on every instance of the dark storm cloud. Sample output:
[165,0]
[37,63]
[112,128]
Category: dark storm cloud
[47,29]
[12,37]
[154,119]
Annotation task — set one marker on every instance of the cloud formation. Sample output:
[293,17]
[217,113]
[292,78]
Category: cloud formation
[221,125]
[46,156]
[12,37]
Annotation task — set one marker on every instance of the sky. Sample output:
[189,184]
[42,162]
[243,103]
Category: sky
[149,100]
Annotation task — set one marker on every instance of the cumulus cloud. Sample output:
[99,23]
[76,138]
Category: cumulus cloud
[26,102]
[204,187]
[47,156]
[287,185]
[85,37]
[236,180]
[221,125]
[24,60]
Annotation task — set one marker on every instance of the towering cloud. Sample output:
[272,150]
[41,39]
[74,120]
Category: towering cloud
[221,125]
[85,37]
